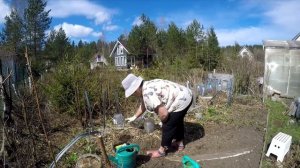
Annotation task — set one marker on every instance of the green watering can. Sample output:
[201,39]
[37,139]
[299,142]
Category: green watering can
[189,162]
[126,156]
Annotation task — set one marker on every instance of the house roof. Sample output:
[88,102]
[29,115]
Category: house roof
[117,43]
[245,49]
[297,37]
[102,58]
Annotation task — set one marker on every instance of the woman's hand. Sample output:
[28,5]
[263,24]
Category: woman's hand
[131,119]
[139,112]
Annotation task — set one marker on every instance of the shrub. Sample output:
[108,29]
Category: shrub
[65,88]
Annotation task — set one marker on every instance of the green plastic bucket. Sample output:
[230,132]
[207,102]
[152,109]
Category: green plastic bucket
[189,162]
[126,156]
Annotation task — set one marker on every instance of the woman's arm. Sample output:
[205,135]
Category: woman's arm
[162,113]
[140,110]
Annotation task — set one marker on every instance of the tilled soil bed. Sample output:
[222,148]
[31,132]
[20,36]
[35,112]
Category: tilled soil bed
[232,138]
[236,141]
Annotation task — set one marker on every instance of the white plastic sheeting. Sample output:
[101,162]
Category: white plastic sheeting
[282,68]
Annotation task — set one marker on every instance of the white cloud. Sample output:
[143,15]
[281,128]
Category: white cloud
[5,10]
[279,21]
[47,32]
[77,31]
[285,14]
[96,12]
[137,21]
[110,27]
[97,34]
[250,35]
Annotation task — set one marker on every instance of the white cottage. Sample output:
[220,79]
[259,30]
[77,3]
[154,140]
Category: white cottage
[245,52]
[98,61]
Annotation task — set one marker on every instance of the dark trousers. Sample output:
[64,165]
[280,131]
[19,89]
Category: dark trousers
[173,128]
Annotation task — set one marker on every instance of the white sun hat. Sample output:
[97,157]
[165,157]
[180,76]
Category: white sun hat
[131,83]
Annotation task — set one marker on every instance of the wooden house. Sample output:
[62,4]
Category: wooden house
[121,56]
[98,60]
[245,52]
[123,59]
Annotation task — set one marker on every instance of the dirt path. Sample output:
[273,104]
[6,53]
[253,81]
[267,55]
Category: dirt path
[223,146]
[226,147]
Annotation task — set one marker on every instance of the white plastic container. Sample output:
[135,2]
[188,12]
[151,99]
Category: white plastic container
[149,125]
[118,120]
[280,146]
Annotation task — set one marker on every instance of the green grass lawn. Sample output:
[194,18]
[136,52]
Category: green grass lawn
[278,121]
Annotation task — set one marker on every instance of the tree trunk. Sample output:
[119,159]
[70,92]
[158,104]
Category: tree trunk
[7,102]
[147,64]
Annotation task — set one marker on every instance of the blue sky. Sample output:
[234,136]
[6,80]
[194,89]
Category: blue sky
[243,21]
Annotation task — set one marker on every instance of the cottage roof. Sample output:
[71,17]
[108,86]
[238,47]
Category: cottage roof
[243,50]
[101,58]
[297,37]
[117,43]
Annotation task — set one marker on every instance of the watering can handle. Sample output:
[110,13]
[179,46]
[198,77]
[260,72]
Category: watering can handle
[113,159]
[123,148]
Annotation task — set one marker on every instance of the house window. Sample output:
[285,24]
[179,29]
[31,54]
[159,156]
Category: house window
[98,58]
[116,61]
[119,50]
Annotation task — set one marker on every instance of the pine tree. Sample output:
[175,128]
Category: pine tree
[37,21]
[213,50]
[12,32]
[142,39]
[175,45]
[148,30]
[134,41]
[85,52]
[194,36]
[161,40]
[80,44]
[57,46]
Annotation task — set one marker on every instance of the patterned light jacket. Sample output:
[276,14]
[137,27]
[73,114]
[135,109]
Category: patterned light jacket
[174,96]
